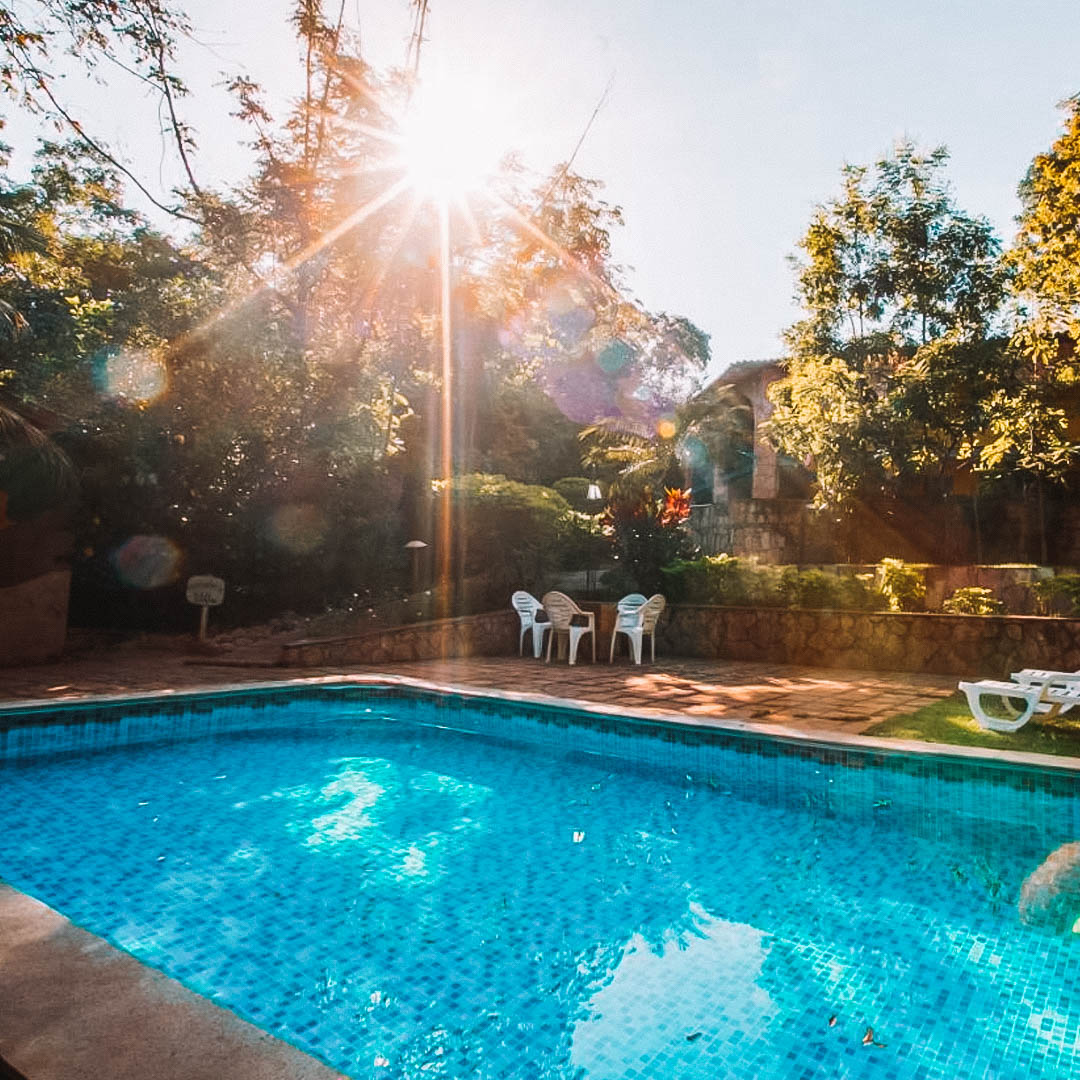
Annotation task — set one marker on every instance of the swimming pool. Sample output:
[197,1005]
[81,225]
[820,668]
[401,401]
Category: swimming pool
[409,884]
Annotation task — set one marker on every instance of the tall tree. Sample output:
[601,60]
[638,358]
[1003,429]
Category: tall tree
[1046,253]
[1029,436]
[901,290]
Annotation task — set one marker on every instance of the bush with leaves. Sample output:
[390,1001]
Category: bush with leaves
[647,534]
[582,544]
[1058,595]
[733,582]
[506,531]
[575,490]
[817,589]
[973,600]
[903,586]
[722,579]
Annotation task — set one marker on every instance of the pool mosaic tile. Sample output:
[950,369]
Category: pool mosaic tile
[409,886]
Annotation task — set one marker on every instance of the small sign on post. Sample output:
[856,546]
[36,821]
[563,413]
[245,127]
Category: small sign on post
[206,592]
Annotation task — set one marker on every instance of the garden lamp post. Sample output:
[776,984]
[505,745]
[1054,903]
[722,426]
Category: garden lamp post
[592,496]
[414,547]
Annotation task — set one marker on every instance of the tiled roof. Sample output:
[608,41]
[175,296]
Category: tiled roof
[744,369]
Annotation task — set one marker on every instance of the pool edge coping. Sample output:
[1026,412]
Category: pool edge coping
[834,740]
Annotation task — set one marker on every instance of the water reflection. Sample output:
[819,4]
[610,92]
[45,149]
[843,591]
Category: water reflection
[693,990]
[380,816]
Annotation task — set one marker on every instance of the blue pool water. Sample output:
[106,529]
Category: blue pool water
[404,900]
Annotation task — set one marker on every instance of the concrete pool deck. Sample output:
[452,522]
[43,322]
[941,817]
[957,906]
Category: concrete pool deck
[74,1006]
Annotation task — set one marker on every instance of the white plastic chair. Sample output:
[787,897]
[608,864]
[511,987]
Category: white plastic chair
[562,611]
[526,605]
[635,620]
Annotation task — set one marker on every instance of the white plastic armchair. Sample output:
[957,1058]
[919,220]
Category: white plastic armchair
[567,618]
[526,605]
[635,620]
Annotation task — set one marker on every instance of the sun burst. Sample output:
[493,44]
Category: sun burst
[451,140]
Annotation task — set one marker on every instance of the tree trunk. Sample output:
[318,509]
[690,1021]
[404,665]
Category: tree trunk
[976,523]
[1043,556]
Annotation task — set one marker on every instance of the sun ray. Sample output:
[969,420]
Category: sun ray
[571,262]
[446,414]
[351,221]
[384,264]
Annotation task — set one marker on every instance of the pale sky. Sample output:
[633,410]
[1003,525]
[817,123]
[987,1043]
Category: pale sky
[727,120]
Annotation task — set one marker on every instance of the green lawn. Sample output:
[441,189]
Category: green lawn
[949,721]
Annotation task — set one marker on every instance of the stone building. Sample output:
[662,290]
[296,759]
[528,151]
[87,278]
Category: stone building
[756,503]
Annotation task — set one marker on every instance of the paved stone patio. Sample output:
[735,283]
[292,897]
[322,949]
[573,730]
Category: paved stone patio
[811,699]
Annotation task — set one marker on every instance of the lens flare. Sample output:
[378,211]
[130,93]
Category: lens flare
[299,528]
[147,562]
[615,356]
[133,376]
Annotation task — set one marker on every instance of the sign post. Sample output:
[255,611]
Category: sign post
[206,592]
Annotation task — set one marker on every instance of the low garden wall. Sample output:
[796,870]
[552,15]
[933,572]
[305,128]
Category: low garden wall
[968,645]
[494,633]
[962,645]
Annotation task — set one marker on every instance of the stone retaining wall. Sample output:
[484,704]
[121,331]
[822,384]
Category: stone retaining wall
[494,633]
[963,645]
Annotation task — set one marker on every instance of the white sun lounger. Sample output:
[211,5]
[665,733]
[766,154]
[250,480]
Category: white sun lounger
[1043,677]
[1044,697]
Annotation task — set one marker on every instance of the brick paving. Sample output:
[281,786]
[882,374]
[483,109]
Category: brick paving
[809,699]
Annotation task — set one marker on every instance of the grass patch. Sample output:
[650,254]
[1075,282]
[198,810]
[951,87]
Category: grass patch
[949,721]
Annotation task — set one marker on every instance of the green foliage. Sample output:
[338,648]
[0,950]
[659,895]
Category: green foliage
[507,531]
[1046,254]
[520,432]
[1059,594]
[973,600]
[722,579]
[35,474]
[713,427]
[574,489]
[647,535]
[888,368]
[734,582]
[583,543]
[817,589]
[903,586]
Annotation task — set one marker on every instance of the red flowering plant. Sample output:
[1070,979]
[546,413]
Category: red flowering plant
[647,534]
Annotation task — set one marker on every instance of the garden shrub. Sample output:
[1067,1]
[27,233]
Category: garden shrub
[575,490]
[582,542]
[722,579]
[507,531]
[647,534]
[734,582]
[817,589]
[1058,595]
[973,600]
[903,586]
